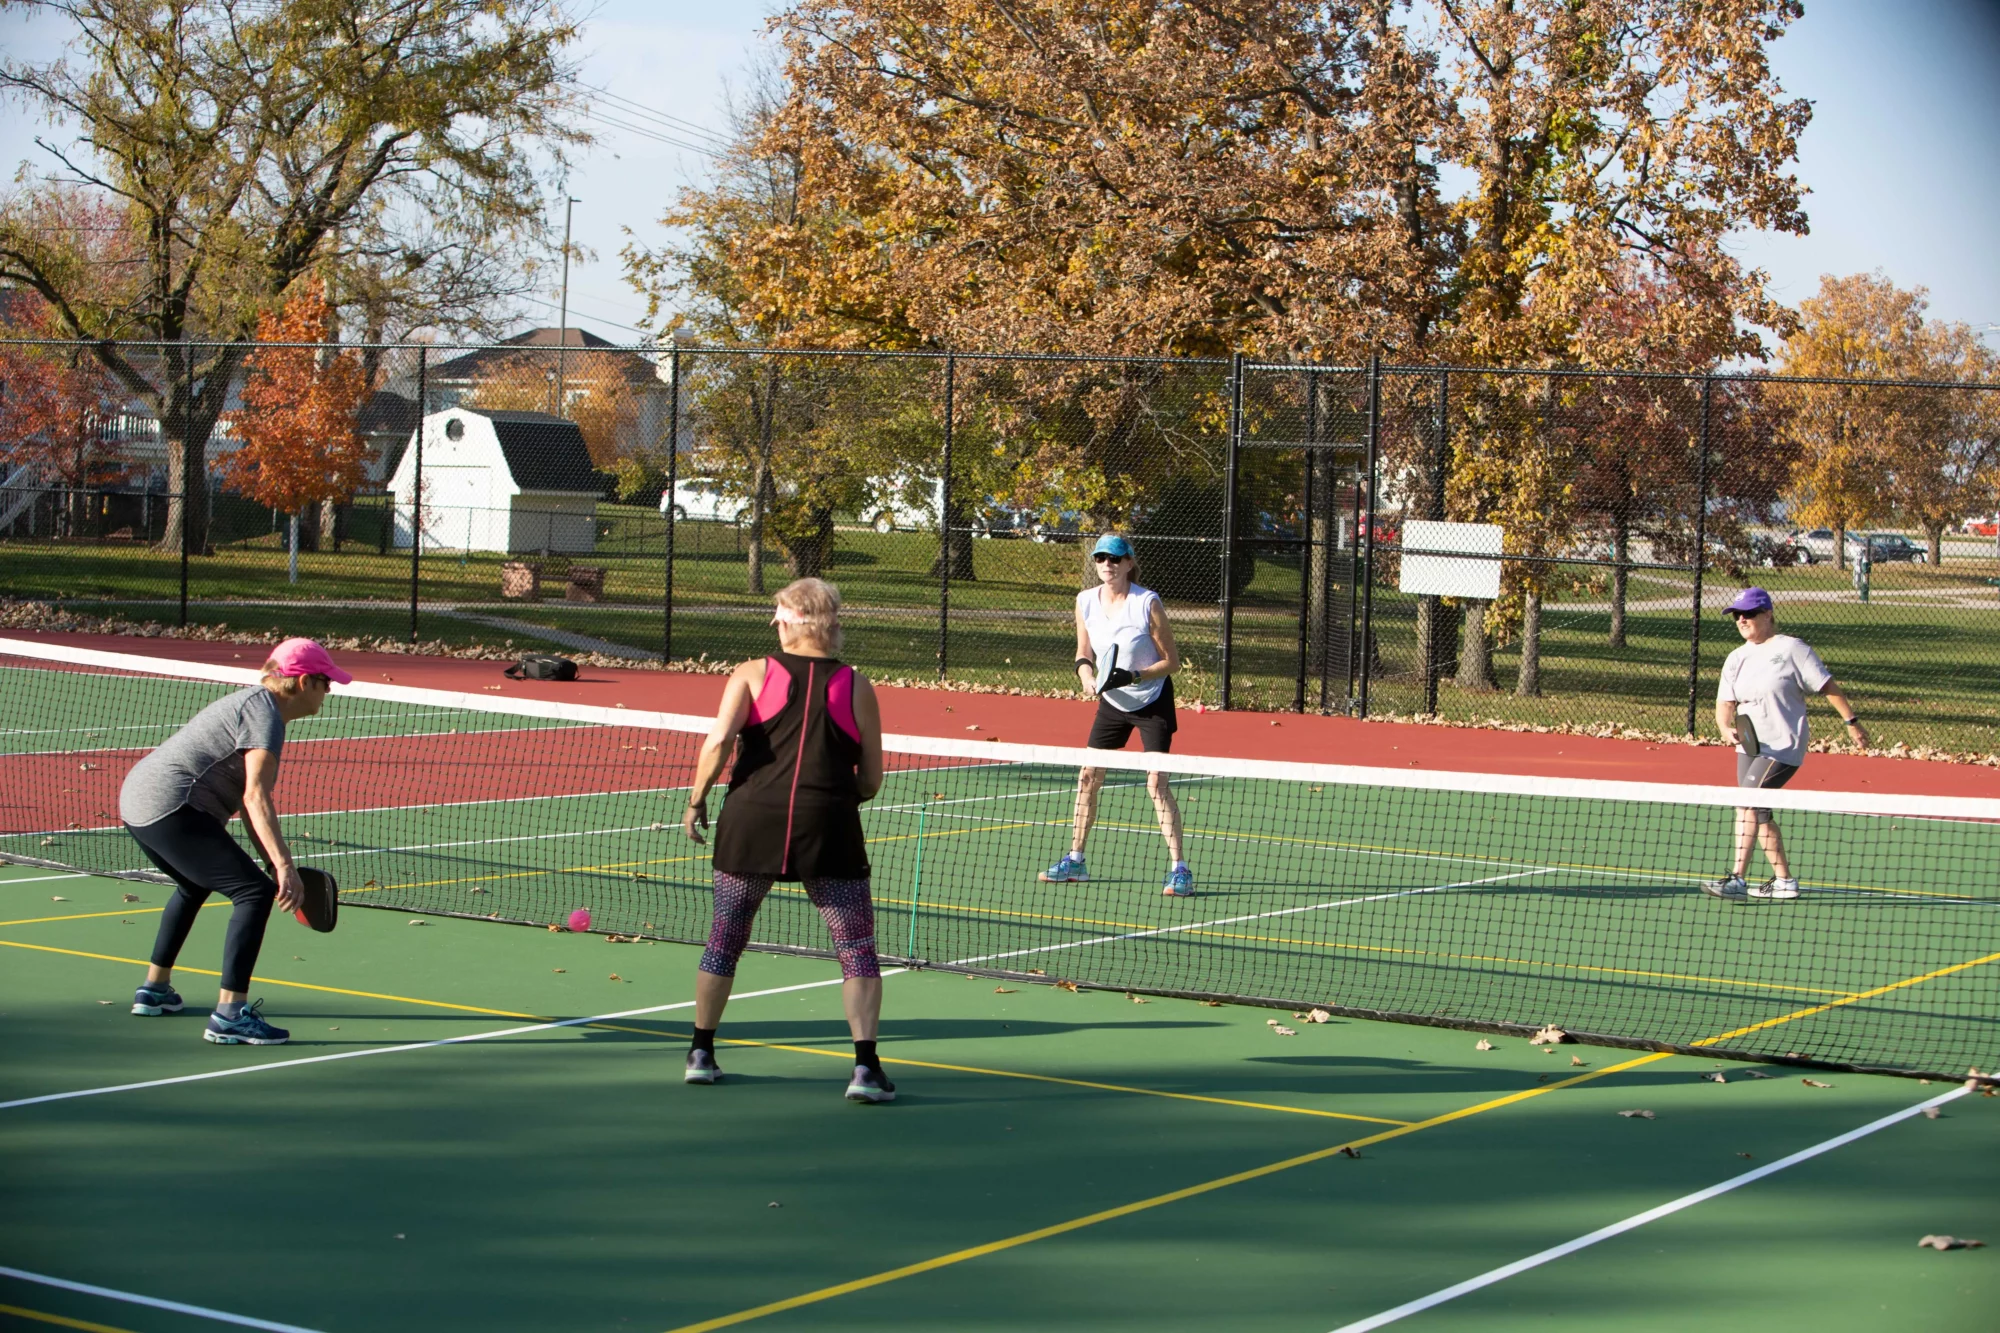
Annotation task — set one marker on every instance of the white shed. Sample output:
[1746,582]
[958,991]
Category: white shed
[500,481]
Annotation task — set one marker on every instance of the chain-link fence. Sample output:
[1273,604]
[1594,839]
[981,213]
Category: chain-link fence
[1536,548]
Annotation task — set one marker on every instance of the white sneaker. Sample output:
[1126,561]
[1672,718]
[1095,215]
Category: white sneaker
[1776,888]
[1732,887]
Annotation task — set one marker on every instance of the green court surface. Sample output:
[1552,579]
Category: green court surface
[1056,1160]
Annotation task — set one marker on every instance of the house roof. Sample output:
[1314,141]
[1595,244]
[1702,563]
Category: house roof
[386,413]
[544,453]
[539,343]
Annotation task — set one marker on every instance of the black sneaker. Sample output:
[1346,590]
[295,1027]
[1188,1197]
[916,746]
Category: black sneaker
[701,1068]
[870,1085]
[152,1000]
[246,1029]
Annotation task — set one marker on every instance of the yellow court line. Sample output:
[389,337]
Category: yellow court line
[807,1050]
[60,1320]
[1142,1205]
[1032,1078]
[1852,999]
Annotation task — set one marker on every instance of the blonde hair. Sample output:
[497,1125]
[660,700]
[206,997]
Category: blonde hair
[814,605]
[287,686]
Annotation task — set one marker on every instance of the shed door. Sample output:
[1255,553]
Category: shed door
[458,508]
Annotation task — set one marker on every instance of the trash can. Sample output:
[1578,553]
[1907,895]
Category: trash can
[1863,566]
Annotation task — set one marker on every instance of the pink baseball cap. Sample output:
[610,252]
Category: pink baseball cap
[303,657]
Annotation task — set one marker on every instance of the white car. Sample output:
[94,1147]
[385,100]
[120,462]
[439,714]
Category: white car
[1819,541]
[702,498]
[888,509]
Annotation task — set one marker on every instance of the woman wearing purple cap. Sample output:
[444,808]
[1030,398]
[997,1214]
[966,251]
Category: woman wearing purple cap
[177,802]
[1765,683]
[1124,627]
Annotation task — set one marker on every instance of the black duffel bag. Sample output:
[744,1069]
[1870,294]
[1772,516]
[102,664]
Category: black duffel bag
[542,666]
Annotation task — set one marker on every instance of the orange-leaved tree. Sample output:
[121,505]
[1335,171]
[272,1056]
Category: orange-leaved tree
[59,413]
[300,448]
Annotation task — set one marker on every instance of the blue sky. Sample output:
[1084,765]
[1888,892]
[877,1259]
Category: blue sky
[1903,155]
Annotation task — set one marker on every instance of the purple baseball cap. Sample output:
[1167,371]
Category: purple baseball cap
[1751,600]
[303,657]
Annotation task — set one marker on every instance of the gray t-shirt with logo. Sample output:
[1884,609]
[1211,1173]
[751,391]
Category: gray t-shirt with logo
[201,765]
[1769,682]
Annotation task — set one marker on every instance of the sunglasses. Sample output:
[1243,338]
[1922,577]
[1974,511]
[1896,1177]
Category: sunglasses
[1746,615]
[1103,556]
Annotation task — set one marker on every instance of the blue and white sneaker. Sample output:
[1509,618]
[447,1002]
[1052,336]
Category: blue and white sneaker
[248,1028]
[153,999]
[1180,883]
[1069,870]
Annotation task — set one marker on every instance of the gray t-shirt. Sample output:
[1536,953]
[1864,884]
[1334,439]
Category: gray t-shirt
[1769,682]
[202,764]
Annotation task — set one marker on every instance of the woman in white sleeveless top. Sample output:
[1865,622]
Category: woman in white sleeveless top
[1138,695]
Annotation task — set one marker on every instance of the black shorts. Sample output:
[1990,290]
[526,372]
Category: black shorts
[1113,726]
[1763,771]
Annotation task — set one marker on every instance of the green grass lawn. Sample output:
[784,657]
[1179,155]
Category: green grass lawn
[1922,657]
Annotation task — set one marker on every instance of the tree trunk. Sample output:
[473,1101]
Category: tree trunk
[1528,684]
[759,509]
[1432,611]
[310,520]
[956,543]
[330,525]
[1621,551]
[187,485]
[808,552]
[1475,651]
[1935,531]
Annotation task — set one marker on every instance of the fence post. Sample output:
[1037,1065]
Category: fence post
[1367,552]
[1306,532]
[944,528]
[1700,549]
[184,543]
[417,487]
[1229,519]
[1440,452]
[673,484]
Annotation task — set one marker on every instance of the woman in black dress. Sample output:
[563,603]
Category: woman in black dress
[807,737]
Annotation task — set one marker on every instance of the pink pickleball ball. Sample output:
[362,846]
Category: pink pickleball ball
[579,920]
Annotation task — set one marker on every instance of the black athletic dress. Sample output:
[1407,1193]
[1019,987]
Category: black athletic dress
[793,810]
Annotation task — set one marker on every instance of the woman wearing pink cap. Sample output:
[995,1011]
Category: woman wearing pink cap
[177,803]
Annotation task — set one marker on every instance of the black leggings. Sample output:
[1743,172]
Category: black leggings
[202,858]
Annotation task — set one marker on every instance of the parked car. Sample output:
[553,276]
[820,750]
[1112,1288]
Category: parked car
[702,498]
[1886,548]
[1981,525]
[1819,541]
[889,507]
[1771,550]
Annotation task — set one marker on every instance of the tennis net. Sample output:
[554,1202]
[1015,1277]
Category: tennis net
[1480,901]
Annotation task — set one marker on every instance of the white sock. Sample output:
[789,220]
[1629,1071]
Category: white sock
[1180,865]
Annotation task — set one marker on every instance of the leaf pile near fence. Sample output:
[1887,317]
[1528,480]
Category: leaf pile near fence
[644,502]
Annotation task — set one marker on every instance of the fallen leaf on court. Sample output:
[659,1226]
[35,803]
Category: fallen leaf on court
[370,884]
[1137,999]
[1713,1078]
[656,825]
[1971,1075]
[1932,1112]
[1576,1060]
[1751,1073]
[1274,724]
[1746,1157]
[477,889]
[298,958]
[1270,1022]
[88,768]
[1211,1004]
[1002,990]
[1814,1083]
[1951,1243]
[1637,1115]
[1923,1083]
[616,977]
[335,1028]
[1549,1035]
[774,1204]
[637,875]
[131,897]
[621,939]
[555,929]
[645,748]
[1037,972]
[1319,1016]
[48,842]
[1066,985]
[416,921]
[1286,1032]
[399,1235]
[57,898]
[1482,1045]
[562,969]
[104,1001]
[1348,1150]
[973,727]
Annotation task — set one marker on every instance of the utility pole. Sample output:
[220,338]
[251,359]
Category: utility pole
[562,329]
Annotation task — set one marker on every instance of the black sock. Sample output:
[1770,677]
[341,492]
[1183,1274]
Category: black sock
[864,1054]
[704,1040]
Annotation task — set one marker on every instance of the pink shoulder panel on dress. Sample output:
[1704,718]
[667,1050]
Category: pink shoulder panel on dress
[840,702]
[777,692]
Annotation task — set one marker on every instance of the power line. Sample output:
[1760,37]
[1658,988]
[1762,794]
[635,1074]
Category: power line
[664,119]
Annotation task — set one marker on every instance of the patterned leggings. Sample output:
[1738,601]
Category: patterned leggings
[843,904]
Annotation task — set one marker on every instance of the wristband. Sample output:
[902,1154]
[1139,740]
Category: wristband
[1854,721]
[1085,661]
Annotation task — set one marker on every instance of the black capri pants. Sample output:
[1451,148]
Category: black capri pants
[199,855]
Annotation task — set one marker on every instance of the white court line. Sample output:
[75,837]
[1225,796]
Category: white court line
[36,879]
[134,1298]
[1637,1220]
[1235,920]
[409,1046]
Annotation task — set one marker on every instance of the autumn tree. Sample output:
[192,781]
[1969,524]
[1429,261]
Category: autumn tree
[243,143]
[300,448]
[59,416]
[598,392]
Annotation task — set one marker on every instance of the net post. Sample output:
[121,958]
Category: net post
[1306,549]
[1700,549]
[1235,443]
[944,537]
[917,878]
[1367,552]
[673,483]
[417,487]
[1440,452]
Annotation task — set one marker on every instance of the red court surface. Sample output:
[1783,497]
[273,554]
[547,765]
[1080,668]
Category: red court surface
[1288,736]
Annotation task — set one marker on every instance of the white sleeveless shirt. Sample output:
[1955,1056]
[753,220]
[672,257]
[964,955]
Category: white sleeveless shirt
[1130,629]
